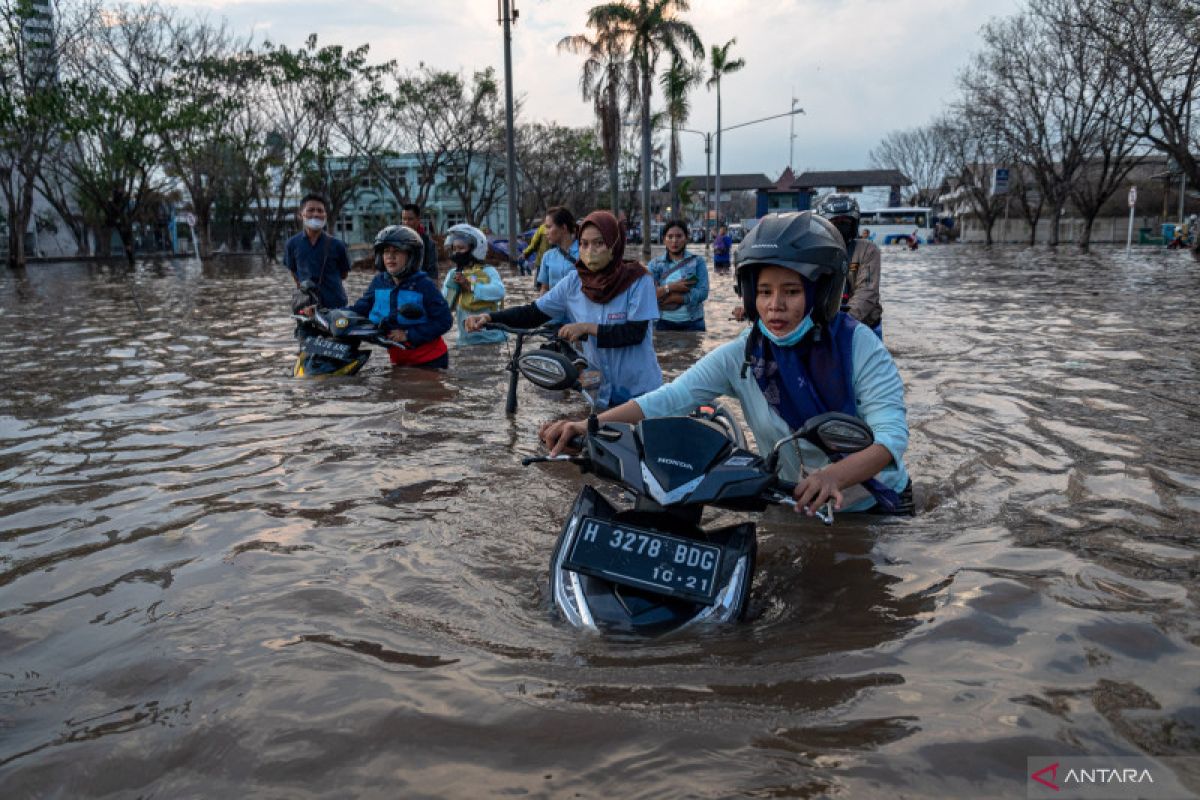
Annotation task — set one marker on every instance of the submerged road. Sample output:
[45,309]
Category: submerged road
[218,581]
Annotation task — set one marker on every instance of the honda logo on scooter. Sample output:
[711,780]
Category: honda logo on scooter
[672,462]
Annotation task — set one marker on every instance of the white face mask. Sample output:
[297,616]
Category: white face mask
[314,223]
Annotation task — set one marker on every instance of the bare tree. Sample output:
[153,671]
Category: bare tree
[122,85]
[34,100]
[560,166]
[972,151]
[208,82]
[920,154]
[1027,85]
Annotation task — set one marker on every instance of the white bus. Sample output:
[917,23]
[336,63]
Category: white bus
[898,225]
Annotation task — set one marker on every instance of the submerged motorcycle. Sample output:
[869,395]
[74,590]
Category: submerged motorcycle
[652,569]
[331,340]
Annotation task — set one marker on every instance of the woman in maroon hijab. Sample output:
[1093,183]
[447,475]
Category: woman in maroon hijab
[610,301]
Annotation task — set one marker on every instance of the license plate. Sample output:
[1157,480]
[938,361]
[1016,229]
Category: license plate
[648,559]
[320,346]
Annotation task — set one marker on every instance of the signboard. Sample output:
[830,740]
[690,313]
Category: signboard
[1000,180]
[1132,196]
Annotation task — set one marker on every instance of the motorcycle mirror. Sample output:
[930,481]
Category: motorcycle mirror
[833,432]
[411,311]
[836,432]
[548,369]
[773,459]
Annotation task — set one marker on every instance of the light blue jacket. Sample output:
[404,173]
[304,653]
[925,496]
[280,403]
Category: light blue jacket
[665,271]
[879,395]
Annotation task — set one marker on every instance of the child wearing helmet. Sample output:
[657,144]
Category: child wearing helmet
[801,357]
[404,302]
[471,287]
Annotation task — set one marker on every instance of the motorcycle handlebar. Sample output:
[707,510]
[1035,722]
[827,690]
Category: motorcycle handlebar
[544,330]
[549,331]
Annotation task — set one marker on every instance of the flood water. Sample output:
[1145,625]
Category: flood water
[219,581]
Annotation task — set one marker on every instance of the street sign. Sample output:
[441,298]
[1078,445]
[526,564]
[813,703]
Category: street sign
[1000,180]
[1132,196]
[190,219]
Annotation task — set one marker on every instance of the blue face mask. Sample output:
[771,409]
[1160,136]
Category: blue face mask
[789,339]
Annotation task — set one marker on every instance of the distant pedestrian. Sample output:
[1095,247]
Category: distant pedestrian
[560,258]
[860,297]
[314,255]
[531,257]
[722,247]
[681,280]
[410,215]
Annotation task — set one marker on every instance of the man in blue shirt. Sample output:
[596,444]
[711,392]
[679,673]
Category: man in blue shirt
[314,255]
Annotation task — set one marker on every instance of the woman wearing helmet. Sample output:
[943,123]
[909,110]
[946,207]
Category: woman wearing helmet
[610,306]
[801,358]
[471,286]
[404,302]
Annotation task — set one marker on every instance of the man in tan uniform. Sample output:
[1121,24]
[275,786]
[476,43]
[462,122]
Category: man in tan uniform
[861,297]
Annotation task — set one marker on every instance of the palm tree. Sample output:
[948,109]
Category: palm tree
[676,83]
[650,28]
[605,79]
[721,65]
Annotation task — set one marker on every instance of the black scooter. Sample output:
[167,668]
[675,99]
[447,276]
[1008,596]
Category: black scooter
[652,569]
[331,340]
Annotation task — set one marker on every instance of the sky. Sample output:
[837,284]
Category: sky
[858,68]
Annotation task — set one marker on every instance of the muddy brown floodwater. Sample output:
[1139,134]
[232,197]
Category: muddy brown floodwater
[218,581]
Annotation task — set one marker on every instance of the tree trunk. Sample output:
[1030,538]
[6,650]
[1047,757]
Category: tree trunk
[1085,237]
[1055,223]
[16,245]
[614,160]
[671,180]
[203,228]
[646,165]
[125,231]
[717,184]
[988,224]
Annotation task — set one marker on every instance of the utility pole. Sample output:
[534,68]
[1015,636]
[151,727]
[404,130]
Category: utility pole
[792,133]
[508,16]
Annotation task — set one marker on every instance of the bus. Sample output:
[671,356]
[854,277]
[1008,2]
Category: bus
[898,225]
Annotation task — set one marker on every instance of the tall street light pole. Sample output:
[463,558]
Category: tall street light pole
[720,131]
[707,178]
[508,16]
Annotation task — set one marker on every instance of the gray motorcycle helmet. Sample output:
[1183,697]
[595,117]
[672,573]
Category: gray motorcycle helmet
[407,240]
[842,211]
[800,241]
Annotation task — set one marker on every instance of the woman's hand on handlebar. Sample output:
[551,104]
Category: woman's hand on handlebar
[476,322]
[816,490]
[577,330]
[557,434]
[398,335]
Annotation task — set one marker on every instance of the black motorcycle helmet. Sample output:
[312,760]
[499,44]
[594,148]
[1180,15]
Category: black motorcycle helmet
[842,211]
[799,241]
[405,239]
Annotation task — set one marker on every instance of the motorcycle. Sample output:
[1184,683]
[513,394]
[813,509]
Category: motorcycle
[331,339]
[571,371]
[652,569]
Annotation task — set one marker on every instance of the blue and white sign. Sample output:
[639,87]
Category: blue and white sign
[1000,180]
